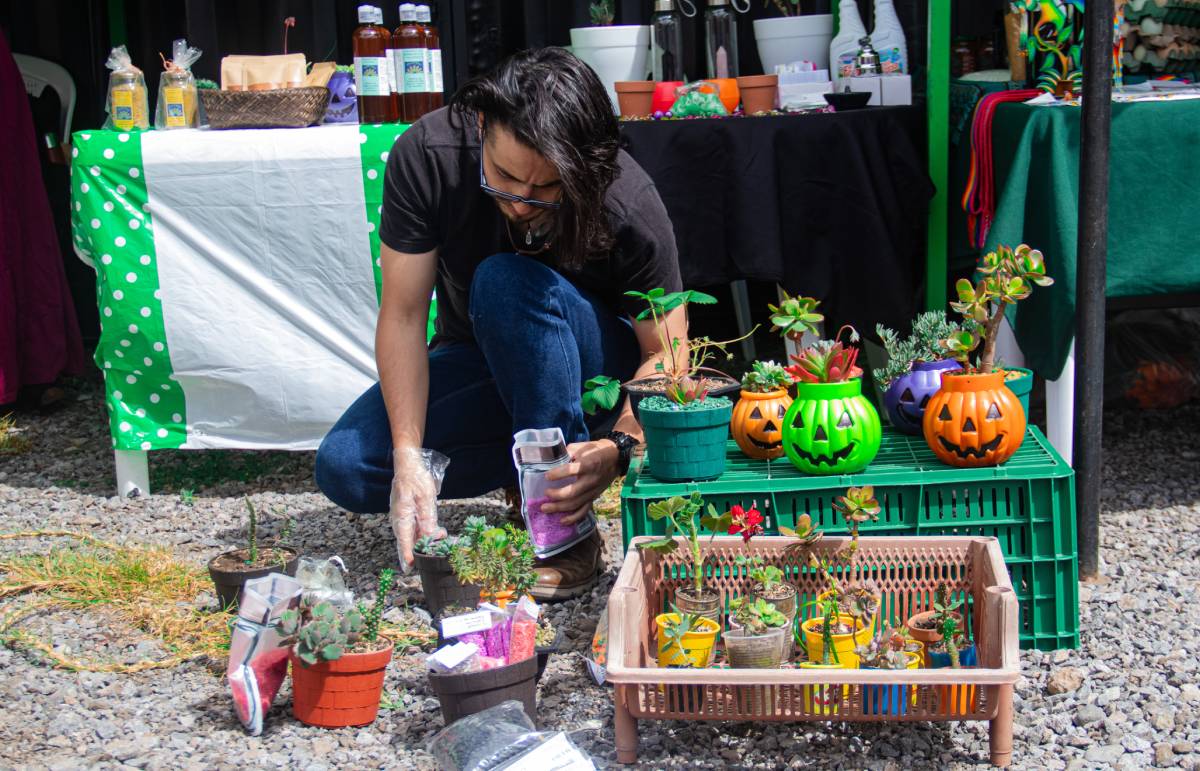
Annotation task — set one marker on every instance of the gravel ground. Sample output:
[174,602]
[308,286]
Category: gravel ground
[1128,698]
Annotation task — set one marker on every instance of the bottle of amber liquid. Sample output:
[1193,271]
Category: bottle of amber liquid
[371,68]
[433,57]
[408,43]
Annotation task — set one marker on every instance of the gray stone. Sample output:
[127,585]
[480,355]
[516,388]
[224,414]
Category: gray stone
[1102,753]
[1064,680]
[1190,693]
[1088,714]
[1163,755]
[1183,748]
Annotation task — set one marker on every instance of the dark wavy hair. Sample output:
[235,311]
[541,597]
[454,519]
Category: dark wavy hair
[554,103]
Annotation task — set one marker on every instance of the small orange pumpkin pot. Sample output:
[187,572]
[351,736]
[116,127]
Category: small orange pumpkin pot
[339,693]
[974,420]
[757,423]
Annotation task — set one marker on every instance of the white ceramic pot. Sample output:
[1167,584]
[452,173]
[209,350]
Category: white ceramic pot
[788,39]
[615,53]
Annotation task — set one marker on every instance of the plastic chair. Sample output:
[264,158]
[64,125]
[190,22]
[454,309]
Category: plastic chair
[40,73]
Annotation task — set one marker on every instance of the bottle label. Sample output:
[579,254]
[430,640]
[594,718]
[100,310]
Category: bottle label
[435,70]
[371,76]
[847,66]
[122,110]
[393,81]
[175,115]
[890,61]
[414,70]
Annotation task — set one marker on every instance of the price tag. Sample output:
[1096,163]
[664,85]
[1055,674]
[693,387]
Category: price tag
[466,623]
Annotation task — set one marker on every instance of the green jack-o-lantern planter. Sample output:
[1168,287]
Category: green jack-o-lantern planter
[831,428]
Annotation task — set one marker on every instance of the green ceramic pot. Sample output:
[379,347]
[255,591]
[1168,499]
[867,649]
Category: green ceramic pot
[831,428]
[685,444]
[1021,386]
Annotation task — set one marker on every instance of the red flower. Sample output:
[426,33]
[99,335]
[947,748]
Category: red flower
[747,523]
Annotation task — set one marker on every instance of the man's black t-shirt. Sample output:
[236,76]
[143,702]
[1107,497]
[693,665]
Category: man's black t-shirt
[432,199]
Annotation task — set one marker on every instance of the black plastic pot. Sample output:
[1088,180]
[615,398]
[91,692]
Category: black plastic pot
[542,652]
[440,586]
[229,583]
[640,389]
[462,695]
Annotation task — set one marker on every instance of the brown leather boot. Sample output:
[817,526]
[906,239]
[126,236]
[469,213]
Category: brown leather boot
[570,573]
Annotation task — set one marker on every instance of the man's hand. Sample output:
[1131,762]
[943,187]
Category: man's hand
[594,466]
[413,511]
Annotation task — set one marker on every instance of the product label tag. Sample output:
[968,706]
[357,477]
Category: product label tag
[393,81]
[555,753]
[371,76]
[452,655]
[466,623]
[414,70]
[435,70]
[122,110]
[173,100]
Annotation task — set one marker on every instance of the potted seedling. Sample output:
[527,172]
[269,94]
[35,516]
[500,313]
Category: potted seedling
[617,53]
[975,420]
[498,560]
[758,634]
[438,582]
[682,515]
[913,373]
[927,626]
[831,635]
[893,649]
[338,660]
[685,639]
[231,570]
[757,424]
[952,651]
[831,427]
[770,586]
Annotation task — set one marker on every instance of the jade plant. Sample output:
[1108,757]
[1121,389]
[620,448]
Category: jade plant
[756,615]
[927,343]
[1006,276]
[858,505]
[321,633]
[682,371]
[497,559]
[682,515]
[676,629]
[765,377]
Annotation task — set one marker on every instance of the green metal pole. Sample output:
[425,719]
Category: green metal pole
[117,35]
[937,91]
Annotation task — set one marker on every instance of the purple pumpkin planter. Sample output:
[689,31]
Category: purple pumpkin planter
[908,394]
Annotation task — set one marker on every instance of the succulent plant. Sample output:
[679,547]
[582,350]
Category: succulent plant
[765,377]
[320,634]
[806,537]
[888,650]
[436,547]
[928,342]
[827,361]
[858,505]
[757,616]
[766,576]
[601,13]
[795,316]
[373,614]
[1007,276]
[498,559]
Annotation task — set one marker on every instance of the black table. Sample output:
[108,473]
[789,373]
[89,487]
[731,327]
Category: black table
[829,205]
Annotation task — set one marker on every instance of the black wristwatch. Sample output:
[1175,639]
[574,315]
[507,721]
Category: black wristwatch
[625,444]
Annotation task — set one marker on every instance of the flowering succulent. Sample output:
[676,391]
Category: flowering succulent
[1006,276]
[745,522]
[827,361]
[765,377]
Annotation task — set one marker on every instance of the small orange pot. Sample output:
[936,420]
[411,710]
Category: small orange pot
[757,423]
[500,599]
[727,92]
[335,694]
[664,95]
[974,420]
[635,98]
[758,92]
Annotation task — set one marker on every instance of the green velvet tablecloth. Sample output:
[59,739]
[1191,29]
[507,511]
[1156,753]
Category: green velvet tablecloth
[1154,209]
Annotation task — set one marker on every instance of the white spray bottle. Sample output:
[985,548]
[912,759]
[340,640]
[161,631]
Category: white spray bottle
[844,47]
[888,39]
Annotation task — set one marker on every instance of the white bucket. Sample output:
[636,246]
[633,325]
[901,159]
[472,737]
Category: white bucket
[615,53]
[788,39]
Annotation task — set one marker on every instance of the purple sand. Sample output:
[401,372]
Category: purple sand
[495,640]
[547,528]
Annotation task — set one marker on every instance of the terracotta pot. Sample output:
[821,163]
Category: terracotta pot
[635,98]
[757,423]
[462,695]
[759,92]
[974,420]
[728,92]
[928,636]
[229,583]
[664,95]
[440,586]
[335,694]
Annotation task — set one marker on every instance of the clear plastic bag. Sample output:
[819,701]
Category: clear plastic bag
[535,452]
[699,99]
[503,737]
[257,661]
[323,581]
[126,102]
[177,89]
[413,507]
[522,639]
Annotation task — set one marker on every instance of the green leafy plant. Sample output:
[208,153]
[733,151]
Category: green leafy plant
[320,633]
[930,331]
[374,614]
[765,377]
[600,393]
[436,547]
[681,517]
[251,533]
[187,496]
[1006,276]
[827,610]
[682,385]
[796,316]
[827,361]
[498,559]
[888,649]
[601,13]
[946,619]
[676,629]
[757,616]
[858,505]
[766,576]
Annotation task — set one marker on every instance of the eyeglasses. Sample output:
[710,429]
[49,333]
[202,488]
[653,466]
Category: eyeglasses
[503,196]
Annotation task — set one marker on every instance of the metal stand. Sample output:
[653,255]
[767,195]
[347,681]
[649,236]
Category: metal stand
[133,473]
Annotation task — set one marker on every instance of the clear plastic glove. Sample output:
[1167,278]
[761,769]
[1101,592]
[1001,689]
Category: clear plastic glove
[415,487]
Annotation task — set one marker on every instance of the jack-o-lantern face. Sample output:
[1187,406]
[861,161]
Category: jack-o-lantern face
[831,428]
[974,420]
[907,396]
[757,423]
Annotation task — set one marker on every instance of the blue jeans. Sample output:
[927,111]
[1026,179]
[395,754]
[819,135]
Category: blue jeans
[538,338]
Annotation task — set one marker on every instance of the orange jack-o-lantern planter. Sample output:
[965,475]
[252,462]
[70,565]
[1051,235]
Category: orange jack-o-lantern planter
[974,420]
[757,424]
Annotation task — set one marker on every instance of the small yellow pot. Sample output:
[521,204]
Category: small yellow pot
[870,627]
[844,644]
[823,700]
[698,644]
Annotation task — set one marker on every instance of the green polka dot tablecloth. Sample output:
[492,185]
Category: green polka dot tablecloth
[237,277]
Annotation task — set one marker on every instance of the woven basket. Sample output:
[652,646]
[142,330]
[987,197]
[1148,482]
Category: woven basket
[280,108]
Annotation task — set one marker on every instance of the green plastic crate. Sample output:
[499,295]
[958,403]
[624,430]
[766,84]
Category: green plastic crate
[1028,504]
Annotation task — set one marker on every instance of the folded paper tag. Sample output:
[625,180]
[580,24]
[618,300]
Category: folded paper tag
[450,656]
[455,626]
[557,752]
